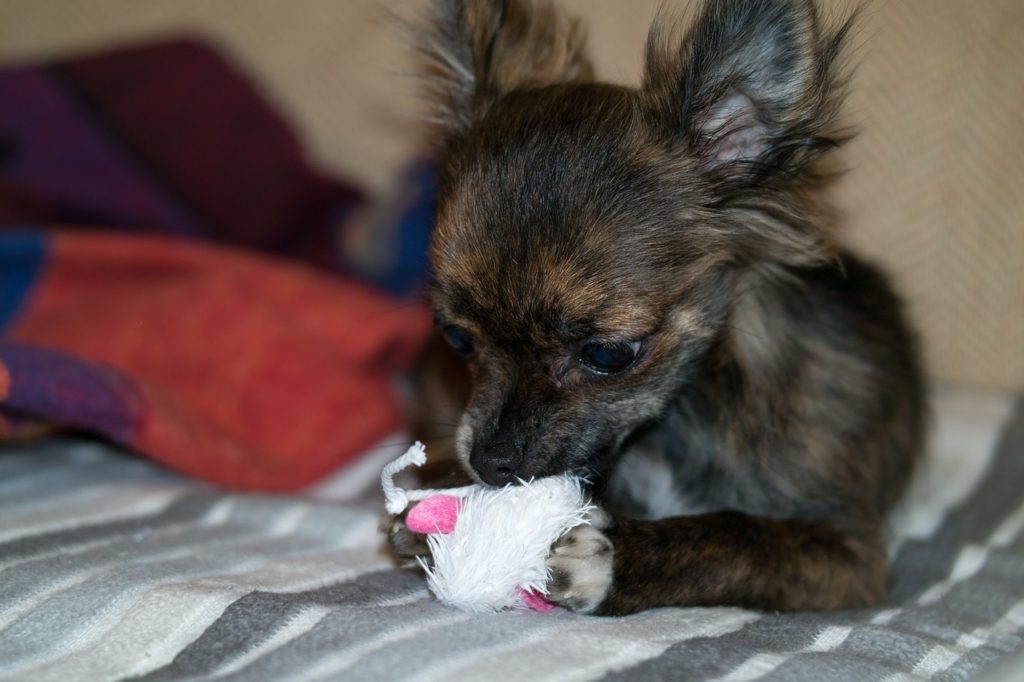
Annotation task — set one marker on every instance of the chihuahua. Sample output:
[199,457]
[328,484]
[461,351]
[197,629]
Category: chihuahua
[646,289]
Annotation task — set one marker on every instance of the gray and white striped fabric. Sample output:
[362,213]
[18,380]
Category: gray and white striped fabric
[113,569]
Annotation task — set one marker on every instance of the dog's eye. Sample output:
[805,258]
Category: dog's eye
[458,338]
[609,358]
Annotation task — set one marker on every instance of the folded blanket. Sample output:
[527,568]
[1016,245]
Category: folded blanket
[166,138]
[226,366]
[127,321]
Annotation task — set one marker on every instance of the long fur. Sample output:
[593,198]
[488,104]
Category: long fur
[472,53]
[777,381]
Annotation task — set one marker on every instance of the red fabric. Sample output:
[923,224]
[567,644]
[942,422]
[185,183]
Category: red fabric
[251,373]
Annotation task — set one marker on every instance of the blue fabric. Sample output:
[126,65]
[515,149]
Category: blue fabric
[412,262]
[22,258]
[388,245]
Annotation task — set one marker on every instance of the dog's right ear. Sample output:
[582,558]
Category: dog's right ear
[474,51]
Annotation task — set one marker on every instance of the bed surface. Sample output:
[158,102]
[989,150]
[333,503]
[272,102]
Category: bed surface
[111,568]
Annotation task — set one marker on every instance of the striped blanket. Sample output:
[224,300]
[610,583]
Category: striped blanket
[111,568]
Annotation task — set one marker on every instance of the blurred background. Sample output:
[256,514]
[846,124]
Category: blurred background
[935,192]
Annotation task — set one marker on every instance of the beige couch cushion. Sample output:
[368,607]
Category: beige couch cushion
[936,188]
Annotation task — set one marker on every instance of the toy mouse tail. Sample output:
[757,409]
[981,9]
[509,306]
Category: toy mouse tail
[396,499]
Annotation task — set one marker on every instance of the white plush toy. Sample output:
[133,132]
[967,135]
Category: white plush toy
[489,544]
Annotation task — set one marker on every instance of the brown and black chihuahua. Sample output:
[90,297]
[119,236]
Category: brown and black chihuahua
[645,287]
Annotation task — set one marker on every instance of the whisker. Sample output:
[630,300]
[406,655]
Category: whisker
[436,423]
[396,309]
[404,443]
[748,333]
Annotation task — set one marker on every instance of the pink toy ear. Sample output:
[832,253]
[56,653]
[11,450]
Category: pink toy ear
[435,514]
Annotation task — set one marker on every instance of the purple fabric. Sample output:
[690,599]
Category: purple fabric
[63,156]
[70,391]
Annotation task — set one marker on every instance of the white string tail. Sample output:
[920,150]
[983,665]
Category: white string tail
[397,499]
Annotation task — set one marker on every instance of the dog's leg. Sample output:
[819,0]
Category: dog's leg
[407,547]
[720,559]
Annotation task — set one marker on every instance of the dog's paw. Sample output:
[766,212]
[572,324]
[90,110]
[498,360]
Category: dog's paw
[407,547]
[581,569]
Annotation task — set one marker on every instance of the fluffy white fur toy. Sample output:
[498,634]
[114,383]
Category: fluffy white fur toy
[489,544]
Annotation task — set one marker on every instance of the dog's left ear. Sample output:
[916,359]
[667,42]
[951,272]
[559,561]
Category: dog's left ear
[475,51]
[752,91]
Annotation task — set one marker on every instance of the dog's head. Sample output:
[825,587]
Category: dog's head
[590,238]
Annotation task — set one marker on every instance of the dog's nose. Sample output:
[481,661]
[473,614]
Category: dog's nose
[496,466]
[496,472]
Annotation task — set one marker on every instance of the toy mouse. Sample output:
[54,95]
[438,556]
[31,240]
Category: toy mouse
[488,544]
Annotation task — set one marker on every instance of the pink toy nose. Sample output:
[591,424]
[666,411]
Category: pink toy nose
[435,514]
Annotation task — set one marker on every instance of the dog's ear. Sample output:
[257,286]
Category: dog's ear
[475,51]
[751,91]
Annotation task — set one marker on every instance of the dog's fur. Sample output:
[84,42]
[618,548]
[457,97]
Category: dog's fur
[774,411]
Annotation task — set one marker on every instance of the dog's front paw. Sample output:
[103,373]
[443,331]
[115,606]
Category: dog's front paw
[406,546]
[581,569]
